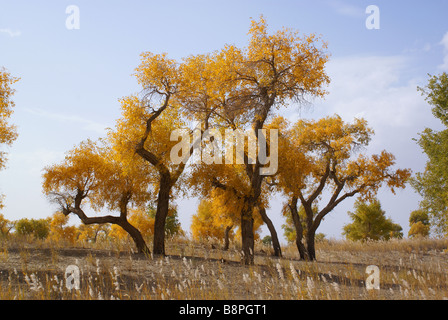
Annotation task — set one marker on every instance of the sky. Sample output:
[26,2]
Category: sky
[72,78]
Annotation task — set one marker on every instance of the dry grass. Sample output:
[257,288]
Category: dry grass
[409,269]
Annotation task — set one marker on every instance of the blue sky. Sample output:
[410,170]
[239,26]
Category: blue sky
[71,80]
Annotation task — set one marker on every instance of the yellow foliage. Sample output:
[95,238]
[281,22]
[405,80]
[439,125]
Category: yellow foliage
[286,63]
[95,170]
[5,225]
[140,220]
[59,229]
[322,151]
[204,224]
[418,229]
[93,232]
[216,213]
[8,132]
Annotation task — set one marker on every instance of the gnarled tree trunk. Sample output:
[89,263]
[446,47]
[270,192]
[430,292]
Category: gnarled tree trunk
[247,232]
[135,235]
[299,229]
[227,238]
[274,237]
[163,201]
[121,220]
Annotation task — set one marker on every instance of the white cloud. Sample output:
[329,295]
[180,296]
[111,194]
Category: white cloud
[444,43]
[86,124]
[381,90]
[373,87]
[11,33]
[347,10]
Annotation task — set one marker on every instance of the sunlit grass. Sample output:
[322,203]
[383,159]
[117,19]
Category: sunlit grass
[409,269]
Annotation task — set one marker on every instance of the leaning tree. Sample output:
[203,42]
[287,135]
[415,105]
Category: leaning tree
[320,161]
[94,176]
[274,70]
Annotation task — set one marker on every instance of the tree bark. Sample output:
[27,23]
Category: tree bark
[247,233]
[310,241]
[121,221]
[163,201]
[299,229]
[274,237]
[227,238]
[136,236]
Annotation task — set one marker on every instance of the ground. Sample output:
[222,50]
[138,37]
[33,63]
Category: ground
[407,269]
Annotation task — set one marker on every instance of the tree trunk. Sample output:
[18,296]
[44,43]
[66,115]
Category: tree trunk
[247,233]
[226,238]
[299,229]
[274,237]
[136,236]
[301,247]
[161,214]
[310,241]
[121,221]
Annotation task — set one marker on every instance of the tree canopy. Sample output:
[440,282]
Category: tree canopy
[432,183]
[320,165]
[94,174]
[370,223]
[232,91]
[8,132]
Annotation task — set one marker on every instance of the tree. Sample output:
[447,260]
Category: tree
[370,223]
[317,162]
[204,224]
[8,132]
[290,230]
[5,226]
[59,229]
[228,187]
[140,219]
[93,232]
[267,240]
[143,221]
[419,223]
[272,71]
[39,228]
[432,183]
[94,173]
[170,95]
[172,225]
[217,217]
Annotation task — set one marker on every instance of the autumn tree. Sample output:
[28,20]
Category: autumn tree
[144,222]
[59,230]
[431,184]
[272,71]
[93,174]
[204,225]
[5,226]
[370,223]
[320,164]
[8,132]
[289,229]
[218,217]
[172,93]
[93,232]
[38,228]
[232,87]
[227,187]
[419,224]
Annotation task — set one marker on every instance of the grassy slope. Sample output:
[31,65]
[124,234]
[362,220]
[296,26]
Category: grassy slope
[409,269]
